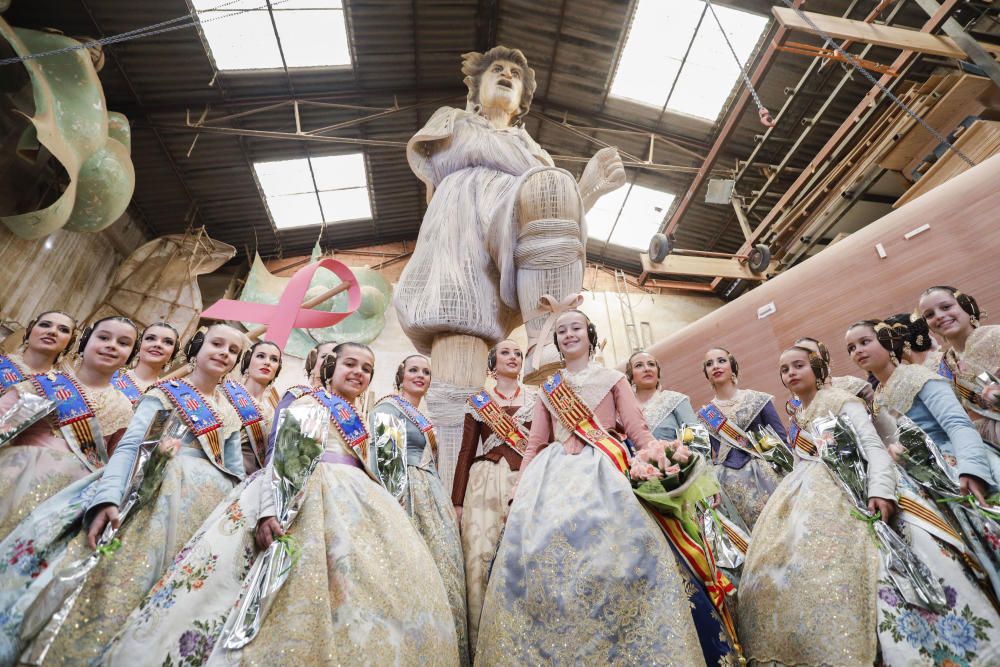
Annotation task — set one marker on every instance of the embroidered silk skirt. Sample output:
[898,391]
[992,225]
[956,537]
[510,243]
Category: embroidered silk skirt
[810,580]
[358,593]
[483,514]
[584,575]
[434,518]
[192,487]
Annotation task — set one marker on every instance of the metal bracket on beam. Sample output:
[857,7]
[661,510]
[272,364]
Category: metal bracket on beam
[811,51]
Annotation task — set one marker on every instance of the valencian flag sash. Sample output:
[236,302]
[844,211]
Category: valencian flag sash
[802,442]
[200,418]
[578,418]
[343,415]
[497,419]
[74,417]
[123,382]
[418,419]
[967,391]
[250,416]
[727,430]
[10,373]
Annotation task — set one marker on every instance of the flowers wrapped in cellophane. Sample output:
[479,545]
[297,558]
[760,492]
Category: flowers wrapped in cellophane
[299,442]
[27,410]
[45,617]
[727,535]
[927,466]
[673,481]
[388,453]
[695,437]
[774,450]
[840,449]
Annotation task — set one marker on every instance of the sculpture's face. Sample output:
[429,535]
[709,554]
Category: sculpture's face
[501,86]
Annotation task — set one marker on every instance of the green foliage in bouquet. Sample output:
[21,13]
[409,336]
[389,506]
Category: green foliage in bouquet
[297,446]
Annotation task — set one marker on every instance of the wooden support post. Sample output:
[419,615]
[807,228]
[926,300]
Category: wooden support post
[686,265]
[742,218]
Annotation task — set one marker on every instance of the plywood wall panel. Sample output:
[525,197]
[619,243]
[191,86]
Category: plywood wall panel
[848,282]
[67,271]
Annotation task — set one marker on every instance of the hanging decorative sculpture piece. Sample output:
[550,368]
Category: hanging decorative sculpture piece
[70,119]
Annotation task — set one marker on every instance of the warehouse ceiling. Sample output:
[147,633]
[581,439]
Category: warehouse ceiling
[276,123]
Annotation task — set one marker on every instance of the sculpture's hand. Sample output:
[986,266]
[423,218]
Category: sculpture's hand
[604,173]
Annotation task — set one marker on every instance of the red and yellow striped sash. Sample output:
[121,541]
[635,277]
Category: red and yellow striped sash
[578,418]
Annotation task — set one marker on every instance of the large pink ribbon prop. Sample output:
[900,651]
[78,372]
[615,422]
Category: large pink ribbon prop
[289,314]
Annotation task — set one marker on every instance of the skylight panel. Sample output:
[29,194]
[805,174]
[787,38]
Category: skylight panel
[639,212]
[335,189]
[653,57]
[240,34]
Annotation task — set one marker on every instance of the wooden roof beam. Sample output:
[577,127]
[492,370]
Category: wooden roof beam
[903,39]
[904,58]
[729,126]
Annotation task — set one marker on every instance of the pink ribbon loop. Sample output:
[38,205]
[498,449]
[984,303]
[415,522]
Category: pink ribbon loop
[554,307]
[288,314]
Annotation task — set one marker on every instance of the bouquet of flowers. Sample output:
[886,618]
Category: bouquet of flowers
[389,453]
[299,442]
[774,450]
[28,409]
[839,446]
[44,618]
[695,437]
[729,540]
[924,463]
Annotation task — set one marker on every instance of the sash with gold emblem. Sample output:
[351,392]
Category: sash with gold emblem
[497,419]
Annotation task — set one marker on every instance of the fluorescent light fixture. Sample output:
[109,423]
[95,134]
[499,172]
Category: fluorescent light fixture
[240,34]
[653,59]
[639,212]
[334,189]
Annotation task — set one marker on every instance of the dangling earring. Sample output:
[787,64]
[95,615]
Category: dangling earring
[819,383]
[974,321]
[736,379]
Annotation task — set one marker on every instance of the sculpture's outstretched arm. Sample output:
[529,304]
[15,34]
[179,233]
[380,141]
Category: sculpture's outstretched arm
[603,174]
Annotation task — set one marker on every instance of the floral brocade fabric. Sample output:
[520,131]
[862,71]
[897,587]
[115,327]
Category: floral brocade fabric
[38,463]
[583,570]
[354,596]
[483,516]
[435,520]
[809,586]
[191,489]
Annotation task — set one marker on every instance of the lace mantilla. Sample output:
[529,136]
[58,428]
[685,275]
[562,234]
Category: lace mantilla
[660,406]
[906,382]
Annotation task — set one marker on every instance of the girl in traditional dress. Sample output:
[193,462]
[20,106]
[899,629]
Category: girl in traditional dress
[158,347]
[313,365]
[733,418]
[259,366]
[963,633]
[970,349]
[89,417]
[665,411]
[810,581]
[498,419]
[584,572]
[426,501]
[207,465]
[46,339]
[352,597]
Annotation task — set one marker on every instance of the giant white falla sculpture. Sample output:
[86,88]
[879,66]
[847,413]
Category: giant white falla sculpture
[503,239]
